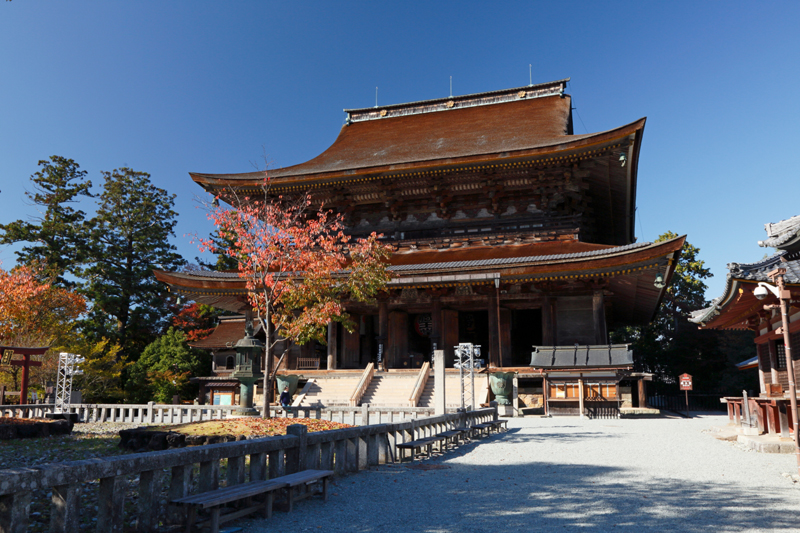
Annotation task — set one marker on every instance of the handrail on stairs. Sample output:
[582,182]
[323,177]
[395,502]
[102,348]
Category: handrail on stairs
[302,396]
[363,383]
[419,386]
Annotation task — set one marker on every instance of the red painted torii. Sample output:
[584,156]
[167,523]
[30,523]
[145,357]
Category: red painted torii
[7,354]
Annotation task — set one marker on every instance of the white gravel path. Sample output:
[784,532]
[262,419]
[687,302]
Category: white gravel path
[567,474]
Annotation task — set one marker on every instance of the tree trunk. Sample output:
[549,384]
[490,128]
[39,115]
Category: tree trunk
[267,364]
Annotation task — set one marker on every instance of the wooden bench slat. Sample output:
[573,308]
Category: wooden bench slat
[306,476]
[230,494]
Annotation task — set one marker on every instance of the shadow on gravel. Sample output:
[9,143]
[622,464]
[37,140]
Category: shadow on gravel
[545,496]
[556,497]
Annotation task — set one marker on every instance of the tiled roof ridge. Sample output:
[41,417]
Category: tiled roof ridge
[781,232]
[734,267]
[550,88]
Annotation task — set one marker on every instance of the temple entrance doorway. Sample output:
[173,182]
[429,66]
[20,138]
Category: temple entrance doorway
[420,328]
[473,327]
[526,332]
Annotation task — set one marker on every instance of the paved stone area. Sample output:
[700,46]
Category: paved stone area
[567,474]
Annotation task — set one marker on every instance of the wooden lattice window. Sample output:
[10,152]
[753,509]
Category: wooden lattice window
[780,351]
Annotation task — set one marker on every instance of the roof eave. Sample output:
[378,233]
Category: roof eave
[211,182]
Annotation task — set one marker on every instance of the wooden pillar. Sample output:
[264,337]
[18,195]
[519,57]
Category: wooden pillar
[397,341]
[773,362]
[201,395]
[494,331]
[436,324]
[505,336]
[545,394]
[449,335]
[351,345]
[548,322]
[642,393]
[599,315]
[383,331]
[580,396]
[333,345]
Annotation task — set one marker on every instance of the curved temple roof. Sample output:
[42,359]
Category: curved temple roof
[525,121]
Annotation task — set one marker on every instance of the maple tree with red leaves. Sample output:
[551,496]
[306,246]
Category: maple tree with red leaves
[33,311]
[298,264]
[195,320]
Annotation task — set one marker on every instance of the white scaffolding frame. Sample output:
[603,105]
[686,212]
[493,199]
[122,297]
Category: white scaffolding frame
[67,370]
[466,357]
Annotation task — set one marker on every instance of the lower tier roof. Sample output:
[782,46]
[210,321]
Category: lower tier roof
[628,271]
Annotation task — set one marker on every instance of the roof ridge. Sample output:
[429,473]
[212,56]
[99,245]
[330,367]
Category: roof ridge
[552,88]
[734,266]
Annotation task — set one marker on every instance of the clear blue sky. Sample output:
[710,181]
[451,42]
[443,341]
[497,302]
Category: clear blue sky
[179,86]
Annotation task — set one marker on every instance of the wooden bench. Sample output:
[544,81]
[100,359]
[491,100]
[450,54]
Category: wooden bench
[499,424]
[215,499]
[453,437]
[419,444]
[488,427]
[305,479]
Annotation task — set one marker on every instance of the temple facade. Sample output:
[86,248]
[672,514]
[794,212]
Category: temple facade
[509,231]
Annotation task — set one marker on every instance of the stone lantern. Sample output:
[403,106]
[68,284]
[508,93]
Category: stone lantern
[247,370]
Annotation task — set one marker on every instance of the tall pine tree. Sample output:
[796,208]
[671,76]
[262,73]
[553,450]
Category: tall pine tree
[58,235]
[128,238]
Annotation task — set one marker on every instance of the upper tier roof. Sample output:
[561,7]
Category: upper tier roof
[479,127]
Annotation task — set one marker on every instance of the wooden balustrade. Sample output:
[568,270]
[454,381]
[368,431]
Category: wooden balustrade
[154,477]
[165,414]
[361,388]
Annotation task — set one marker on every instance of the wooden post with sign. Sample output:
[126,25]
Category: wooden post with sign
[686,386]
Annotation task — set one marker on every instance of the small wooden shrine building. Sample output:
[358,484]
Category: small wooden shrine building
[739,308]
[509,230]
[220,388]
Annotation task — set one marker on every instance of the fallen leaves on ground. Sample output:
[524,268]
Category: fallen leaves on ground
[250,427]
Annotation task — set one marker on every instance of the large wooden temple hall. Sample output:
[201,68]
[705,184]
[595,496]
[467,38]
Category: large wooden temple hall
[509,231]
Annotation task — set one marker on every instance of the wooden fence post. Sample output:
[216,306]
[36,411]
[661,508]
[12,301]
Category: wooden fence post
[296,456]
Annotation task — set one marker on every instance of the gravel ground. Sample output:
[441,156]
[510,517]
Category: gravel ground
[567,474]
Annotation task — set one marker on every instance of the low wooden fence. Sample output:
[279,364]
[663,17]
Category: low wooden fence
[153,478]
[677,402]
[152,413]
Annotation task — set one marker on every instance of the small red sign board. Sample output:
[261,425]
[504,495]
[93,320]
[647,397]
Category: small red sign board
[686,382]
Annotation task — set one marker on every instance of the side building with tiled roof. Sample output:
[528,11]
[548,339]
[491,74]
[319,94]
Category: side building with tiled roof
[739,307]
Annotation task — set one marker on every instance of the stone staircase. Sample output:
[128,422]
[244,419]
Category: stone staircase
[390,389]
[330,391]
[452,386]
